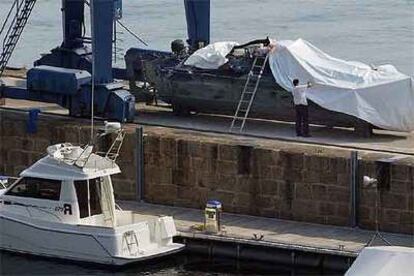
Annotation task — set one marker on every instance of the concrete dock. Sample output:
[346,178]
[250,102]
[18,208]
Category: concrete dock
[279,185]
[383,141]
[330,246]
[153,115]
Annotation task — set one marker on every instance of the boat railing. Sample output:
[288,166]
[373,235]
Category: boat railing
[118,207]
[5,181]
[112,153]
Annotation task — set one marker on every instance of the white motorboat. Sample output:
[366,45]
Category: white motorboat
[63,207]
[383,261]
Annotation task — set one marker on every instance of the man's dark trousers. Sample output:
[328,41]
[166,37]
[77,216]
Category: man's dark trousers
[302,120]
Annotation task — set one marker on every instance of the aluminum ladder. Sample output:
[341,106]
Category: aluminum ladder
[23,9]
[248,94]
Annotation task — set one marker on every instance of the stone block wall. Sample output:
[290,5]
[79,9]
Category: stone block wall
[396,202]
[247,179]
[249,176]
[274,179]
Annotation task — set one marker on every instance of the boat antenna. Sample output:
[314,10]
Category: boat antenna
[93,79]
[92,94]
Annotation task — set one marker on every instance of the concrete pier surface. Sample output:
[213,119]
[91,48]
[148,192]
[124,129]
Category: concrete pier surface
[277,233]
[382,141]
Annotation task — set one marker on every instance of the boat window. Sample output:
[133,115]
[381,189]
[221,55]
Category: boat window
[36,188]
[82,194]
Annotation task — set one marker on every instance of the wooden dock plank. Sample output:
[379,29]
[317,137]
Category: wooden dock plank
[280,233]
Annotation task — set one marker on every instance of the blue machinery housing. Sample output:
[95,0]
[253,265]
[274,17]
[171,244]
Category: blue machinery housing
[64,75]
[198,22]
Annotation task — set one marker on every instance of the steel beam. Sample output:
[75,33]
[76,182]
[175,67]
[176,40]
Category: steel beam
[73,23]
[198,22]
[102,25]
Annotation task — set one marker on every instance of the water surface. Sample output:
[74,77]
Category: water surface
[182,265]
[372,31]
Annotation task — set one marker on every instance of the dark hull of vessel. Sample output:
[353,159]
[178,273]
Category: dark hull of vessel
[189,89]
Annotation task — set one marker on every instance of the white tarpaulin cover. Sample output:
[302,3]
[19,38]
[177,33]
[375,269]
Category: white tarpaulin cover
[212,56]
[382,96]
[383,261]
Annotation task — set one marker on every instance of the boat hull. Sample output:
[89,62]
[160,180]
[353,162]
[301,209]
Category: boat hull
[191,90]
[73,242]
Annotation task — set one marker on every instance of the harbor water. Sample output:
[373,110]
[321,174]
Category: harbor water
[181,264]
[372,31]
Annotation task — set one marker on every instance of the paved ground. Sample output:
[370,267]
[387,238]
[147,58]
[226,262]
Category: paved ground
[386,141]
[276,233]
[44,107]
[382,140]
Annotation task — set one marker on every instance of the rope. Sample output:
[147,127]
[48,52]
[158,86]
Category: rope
[131,32]
[126,28]
[377,209]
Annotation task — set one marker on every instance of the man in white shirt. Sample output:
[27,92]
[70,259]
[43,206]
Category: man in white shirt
[301,106]
[263,50]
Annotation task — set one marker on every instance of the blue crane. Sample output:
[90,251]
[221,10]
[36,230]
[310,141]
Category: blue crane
[70,72]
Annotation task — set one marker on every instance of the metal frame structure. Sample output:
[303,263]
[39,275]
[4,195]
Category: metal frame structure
[62,75]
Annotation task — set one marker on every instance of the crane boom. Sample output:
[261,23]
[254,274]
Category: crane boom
[23,9]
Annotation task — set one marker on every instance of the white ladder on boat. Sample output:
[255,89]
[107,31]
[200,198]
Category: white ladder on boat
[113,152]
[130,241]
[248,94]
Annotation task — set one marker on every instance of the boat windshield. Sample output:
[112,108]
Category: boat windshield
[95,197]
[38,188]
[93,206]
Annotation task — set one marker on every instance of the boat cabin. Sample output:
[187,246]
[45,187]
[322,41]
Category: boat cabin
[57,189]
[63,206]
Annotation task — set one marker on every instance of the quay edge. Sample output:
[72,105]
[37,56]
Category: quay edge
[258,177]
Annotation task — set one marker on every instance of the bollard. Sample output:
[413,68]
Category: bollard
[32,121]
[2,98]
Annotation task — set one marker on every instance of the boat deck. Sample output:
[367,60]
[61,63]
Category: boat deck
[284,234]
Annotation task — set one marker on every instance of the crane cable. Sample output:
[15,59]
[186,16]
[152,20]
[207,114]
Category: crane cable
[131,32]
[126,29]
